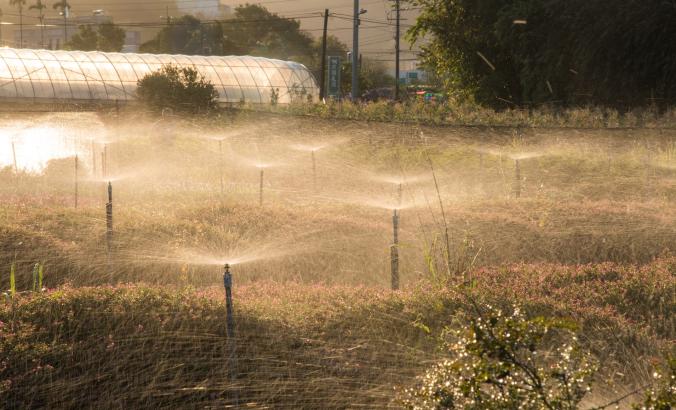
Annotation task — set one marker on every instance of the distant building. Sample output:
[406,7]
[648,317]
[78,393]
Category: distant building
[53,37]
[205,9]
[128,14]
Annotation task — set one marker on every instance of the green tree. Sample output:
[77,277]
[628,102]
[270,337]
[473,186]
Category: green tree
[40,7]
[519,52]
[256,31]
[110,37]
[86,39]
[106,37]
[181,89]
[63,6]
[19,4]
[187,35]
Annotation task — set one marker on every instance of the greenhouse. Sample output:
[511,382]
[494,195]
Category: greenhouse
[76,76]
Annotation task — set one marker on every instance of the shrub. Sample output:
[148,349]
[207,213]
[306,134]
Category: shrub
[499,361]
[662,396]
[181,89]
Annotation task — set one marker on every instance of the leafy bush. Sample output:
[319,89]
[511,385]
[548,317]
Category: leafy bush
[181,89]
[662,396]
[498,361]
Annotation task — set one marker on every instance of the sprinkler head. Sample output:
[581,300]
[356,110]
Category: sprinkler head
[227,277]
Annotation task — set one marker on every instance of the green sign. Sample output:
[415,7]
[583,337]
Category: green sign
[334,77]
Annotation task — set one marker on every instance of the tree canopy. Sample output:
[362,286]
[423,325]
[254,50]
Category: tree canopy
[106,37]
[253,31]
[521,52]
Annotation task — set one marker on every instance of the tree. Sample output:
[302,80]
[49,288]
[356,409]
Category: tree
[506,53]
[181,89]
[187,35]
[63,6]
[252,31]
[106,37]
[40,7]
[110,37]
[19,4]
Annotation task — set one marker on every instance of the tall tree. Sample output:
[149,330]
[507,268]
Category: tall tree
[187,35]
[106,37]
[40,7]
[64,8]
[256,31]
[19,4]
[522,52]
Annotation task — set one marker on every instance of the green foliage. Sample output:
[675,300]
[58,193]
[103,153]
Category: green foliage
[500,361]
[253,31]
[12,280]
[107,37]
[521,52]
[187,35]
[41,274]
[662,396]
[256,31]
[181,89]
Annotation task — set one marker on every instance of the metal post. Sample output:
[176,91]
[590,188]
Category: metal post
[76,180]
[394,251]
[16,167]
[517,179]
[400,193]
[260,192]
[355,52]
[109,220]
[230,329]
[314,172]
[220,163]
[322,76]
[227,282]
[397,52]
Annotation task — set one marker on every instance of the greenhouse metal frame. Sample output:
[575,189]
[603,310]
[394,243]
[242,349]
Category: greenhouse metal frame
[77,76]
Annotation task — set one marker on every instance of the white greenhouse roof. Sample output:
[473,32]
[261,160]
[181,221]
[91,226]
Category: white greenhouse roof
[45,75]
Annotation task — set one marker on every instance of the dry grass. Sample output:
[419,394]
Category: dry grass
[301,346]
[592,238]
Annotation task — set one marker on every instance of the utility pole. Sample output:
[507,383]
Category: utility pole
[398,49]
[322,76]
[355,51]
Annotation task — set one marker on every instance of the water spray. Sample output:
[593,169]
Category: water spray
[16,167]
[76,180]
[260,191]
[109,221]
[517,179]
[230,329]
[314,171]
[93,158]
[220,162]
[104,161]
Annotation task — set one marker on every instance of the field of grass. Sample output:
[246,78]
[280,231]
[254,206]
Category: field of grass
[585,230]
